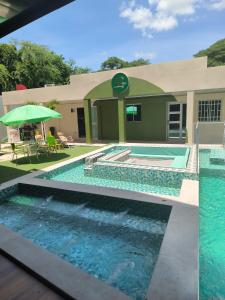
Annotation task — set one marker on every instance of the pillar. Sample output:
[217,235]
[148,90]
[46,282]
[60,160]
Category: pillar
[191,117]
[121,120]
[6,110]
[88,122]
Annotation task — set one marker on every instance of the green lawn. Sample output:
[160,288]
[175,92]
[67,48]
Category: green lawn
[10,170]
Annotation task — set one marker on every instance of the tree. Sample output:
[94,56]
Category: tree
[8,56]
[34,66]
[113,63]
[52,104]
[80,70]
[215,53]
[37,66]
[4,79]
[139,62]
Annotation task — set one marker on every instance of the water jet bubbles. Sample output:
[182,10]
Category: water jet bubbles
[49,198]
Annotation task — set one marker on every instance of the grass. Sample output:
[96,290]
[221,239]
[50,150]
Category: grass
[10,170]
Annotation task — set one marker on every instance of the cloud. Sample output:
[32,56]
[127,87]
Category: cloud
[145,55]
[163,15]
[139,16]
[157,15]
[217,4]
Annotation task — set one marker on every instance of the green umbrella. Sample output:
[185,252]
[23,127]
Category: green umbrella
[29,114]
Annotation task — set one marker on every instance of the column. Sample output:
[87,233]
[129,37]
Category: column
[88,122]
[6,110]
[190,117]
[121,120]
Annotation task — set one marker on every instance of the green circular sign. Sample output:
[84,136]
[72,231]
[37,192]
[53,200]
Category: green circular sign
[120,83]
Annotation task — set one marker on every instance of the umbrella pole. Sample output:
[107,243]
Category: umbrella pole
[43,130]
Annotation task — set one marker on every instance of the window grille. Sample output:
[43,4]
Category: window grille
[209,110]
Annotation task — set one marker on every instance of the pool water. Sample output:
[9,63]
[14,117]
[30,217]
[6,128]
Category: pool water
[115,240]
[74,173]
[178,156]
[212,229]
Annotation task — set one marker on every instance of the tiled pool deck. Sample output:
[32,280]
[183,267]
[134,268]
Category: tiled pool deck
[176,272]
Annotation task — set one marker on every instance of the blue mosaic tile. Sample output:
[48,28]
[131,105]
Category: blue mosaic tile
[9,191]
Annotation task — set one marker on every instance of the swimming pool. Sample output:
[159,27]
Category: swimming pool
[75,173]
[122,175]
[212,228]
[167,157]
[116,240]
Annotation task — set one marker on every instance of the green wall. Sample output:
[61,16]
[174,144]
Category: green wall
[154,110]
[151,128]
[136,87]
[108,128]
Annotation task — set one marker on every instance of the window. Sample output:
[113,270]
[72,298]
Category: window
[133,112]
[209,110]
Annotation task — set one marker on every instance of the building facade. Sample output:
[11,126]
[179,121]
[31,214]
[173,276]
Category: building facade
[160,103]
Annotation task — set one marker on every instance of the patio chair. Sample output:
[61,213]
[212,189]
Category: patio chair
[43,148]
[52,143]
[39,138]
[32,149]
[70,139]
[38,149]
[3,141]
[17,150]
[65,141]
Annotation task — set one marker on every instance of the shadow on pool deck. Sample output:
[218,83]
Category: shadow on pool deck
[13,169]
[8,173]
[42,159]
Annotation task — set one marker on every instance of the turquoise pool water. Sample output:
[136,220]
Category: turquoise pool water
[74,173]
[212,229]
[135,179]
[115,240]
[179,155]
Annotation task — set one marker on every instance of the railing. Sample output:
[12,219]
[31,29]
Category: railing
[197,146]
[224,135]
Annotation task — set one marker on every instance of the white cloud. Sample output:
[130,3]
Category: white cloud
[139,16]
[163,15]
[158,15]
[145,55]
[217,4]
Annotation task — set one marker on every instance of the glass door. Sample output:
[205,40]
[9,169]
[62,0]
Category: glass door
[177,120]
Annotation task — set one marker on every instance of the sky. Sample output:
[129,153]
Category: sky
[90,31]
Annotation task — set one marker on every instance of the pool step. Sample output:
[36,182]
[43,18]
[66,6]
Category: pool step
[119,156]
[92,159]
[111,155]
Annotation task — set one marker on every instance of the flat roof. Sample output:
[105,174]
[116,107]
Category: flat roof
[15,14]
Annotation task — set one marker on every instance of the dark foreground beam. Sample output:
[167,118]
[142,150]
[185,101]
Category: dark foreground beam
[38,9]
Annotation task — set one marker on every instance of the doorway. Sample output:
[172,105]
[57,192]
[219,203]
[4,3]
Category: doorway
[177,114]
[81,122]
